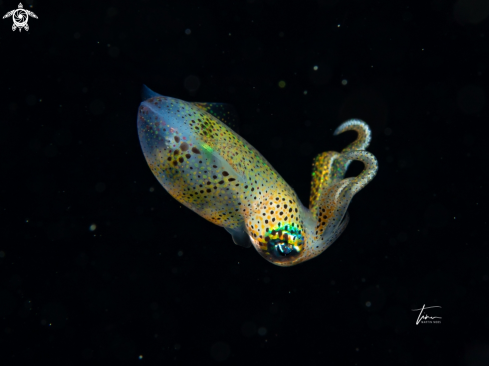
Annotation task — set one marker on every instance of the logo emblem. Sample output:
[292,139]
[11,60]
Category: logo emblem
[20,17]
[425,318]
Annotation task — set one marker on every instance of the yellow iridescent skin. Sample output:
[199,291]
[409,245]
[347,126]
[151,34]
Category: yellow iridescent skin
[209,168]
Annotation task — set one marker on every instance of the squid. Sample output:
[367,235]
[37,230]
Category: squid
[197,156]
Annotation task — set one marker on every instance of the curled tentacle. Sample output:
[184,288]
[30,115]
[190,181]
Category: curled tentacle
[364,134]
[357,183]
[330,167]
[362,141]
[333,201]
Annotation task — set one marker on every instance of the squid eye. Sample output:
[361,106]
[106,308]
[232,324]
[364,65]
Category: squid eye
[283,249]
[284,243]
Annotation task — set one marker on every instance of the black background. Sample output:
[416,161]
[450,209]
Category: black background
[152,282]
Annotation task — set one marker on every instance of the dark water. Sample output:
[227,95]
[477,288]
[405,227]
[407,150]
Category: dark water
[99,263]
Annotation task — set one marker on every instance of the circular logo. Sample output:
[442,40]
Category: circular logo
[20,17]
